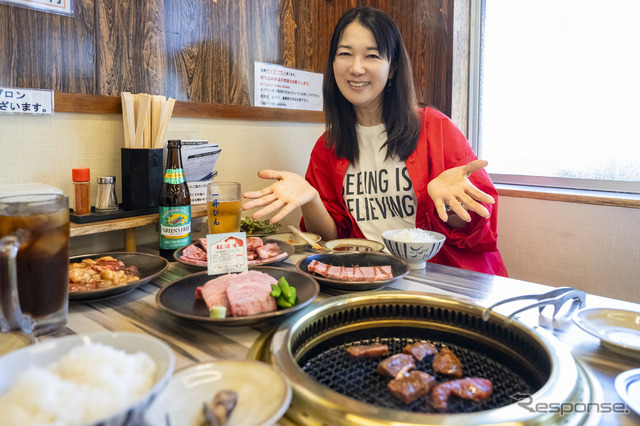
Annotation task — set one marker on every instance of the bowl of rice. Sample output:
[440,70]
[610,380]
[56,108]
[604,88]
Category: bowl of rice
[90,379]
[415,246]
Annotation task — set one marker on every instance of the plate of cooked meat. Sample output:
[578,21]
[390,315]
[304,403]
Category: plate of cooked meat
[262,295]
[94,276]
[259,252]
[353,271]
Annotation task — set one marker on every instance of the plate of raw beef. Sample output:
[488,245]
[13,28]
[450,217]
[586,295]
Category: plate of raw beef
[259,252]
[245,295]
[353,271]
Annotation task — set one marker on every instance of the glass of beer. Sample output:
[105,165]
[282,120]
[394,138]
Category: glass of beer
[34,263]
[224,207]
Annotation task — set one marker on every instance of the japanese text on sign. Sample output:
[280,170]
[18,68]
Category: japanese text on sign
[61,7]
[26,101]
[279,87]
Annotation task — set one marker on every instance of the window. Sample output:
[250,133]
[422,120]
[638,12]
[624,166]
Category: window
[555,92]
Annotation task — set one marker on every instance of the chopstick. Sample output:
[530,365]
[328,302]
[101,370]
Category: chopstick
[145,119]
[304,237]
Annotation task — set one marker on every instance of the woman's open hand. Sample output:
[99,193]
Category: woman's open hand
[289,192]
[453,188]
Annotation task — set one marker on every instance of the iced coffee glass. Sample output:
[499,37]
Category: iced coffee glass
[34,263]
[224,207]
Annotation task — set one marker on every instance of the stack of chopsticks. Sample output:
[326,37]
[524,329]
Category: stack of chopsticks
[145,118]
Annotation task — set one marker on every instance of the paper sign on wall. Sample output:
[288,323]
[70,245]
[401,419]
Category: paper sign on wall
[26,101]
[278,87]
[61,7]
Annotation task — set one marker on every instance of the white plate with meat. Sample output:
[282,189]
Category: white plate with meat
[259,252]
[148,267]
[355,271]
[262,394]
[182,299]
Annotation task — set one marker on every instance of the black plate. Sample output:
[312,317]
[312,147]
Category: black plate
[285,247]
[149,266]
[178,298]
[399,268]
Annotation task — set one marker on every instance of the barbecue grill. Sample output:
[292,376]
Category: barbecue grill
[330,388]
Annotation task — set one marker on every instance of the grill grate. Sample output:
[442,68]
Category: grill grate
[329,364]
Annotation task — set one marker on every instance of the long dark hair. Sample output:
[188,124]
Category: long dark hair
[399,105]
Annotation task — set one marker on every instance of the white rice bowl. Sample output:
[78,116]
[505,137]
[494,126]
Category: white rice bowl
[414,235]
[77,380]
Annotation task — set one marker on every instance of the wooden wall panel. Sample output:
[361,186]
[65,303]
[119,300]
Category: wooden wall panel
[203,51]
[48,51]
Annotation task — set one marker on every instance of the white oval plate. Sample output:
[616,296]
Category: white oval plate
[263,394]
[628,388]
[353,245]
[619,330]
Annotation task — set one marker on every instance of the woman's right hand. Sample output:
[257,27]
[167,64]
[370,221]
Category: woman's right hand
[289,192]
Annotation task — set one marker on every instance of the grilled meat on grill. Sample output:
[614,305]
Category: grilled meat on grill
[472,388]
[411,385]
[368,351]
[446,362]
[419,350]
[396,365]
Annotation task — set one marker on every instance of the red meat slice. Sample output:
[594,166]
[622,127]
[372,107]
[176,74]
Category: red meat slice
[472,388]
[268,251]
[419,350]
[193,252]
[249,294]
[411,386]
[368,351]
[253,243]
[446,362]
[396,365]
[214,292]
[351,273]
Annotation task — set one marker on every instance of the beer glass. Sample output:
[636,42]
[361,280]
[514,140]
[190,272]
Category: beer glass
[224,207]
[34,263]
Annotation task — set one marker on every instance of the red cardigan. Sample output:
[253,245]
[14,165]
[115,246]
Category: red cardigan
[441,146]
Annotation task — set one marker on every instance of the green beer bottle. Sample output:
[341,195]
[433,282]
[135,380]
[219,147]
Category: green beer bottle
[175,204]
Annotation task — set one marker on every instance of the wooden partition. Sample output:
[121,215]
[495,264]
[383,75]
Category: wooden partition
[202,51]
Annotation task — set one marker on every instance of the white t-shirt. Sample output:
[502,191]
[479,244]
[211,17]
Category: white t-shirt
[377,192]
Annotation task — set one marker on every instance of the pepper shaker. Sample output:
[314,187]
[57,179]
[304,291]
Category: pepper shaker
[106,201]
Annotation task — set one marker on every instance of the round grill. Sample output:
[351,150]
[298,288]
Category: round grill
[331,388]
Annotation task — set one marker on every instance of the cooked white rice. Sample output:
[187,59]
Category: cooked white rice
[414,236]
[89,383]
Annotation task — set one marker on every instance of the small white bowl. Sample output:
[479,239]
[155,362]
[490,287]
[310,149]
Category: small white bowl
[344,245]
[415,254]
[52,350]
[296,241]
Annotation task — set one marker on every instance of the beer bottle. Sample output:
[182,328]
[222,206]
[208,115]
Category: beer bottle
[175,204]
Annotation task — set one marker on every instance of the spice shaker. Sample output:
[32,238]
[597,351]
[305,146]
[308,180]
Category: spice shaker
[81,202]
[106,201]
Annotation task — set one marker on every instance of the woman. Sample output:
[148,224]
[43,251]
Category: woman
[383,163]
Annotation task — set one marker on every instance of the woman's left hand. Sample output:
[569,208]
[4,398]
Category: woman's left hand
[453,188]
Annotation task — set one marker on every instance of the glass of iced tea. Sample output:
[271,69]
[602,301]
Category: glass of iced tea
[34,263]
[224,207]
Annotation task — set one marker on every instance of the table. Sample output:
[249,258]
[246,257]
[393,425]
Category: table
[136,311]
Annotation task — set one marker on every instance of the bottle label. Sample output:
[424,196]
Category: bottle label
[175,227]
[174,176]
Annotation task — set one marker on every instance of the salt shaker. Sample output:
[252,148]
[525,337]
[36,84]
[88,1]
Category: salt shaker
[106,201]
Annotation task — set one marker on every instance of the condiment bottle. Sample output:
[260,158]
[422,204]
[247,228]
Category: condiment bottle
[81,202]
[106,201]
[175,204]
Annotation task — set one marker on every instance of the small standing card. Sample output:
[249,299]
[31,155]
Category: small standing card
[227,253]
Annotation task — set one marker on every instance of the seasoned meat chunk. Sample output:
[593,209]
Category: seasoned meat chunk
[472,388]
[411,385]
[446,362]
[396,365]
[368,351]
[419,350]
